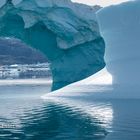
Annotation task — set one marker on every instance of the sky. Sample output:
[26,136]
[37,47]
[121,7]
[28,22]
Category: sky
[103,3]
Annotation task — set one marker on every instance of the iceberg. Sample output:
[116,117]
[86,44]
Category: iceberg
[67,33]
[120,28]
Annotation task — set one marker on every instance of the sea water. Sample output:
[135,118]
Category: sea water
[25,116]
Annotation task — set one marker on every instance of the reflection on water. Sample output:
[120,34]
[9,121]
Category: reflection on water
[31,118]
[36,119]
[126,120]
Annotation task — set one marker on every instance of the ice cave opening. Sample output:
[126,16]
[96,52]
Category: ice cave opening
[70,39]
[20,61]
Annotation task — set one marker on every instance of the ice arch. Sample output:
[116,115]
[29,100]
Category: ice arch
[120,28]
[66,33]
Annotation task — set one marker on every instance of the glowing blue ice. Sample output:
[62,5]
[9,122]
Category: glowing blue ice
[65,32]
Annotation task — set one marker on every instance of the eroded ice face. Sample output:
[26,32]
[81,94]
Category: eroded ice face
[120,28]
[68,37]
[2,2]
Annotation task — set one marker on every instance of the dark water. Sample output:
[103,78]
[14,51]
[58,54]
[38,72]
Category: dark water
[24,116]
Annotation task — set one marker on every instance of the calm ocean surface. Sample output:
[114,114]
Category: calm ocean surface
[24,116]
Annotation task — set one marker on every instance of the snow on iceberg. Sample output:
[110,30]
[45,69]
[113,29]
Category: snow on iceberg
[67,33]
[97,83]
[120,28]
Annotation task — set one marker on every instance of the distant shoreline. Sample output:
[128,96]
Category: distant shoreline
[37,81]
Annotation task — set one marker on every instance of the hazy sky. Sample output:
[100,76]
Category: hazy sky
[89,2]
[100,2]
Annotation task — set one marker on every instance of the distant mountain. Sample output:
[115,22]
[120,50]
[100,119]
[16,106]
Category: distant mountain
[13,51]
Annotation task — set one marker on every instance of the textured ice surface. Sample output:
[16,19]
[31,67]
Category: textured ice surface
[120,28]
[65,32]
